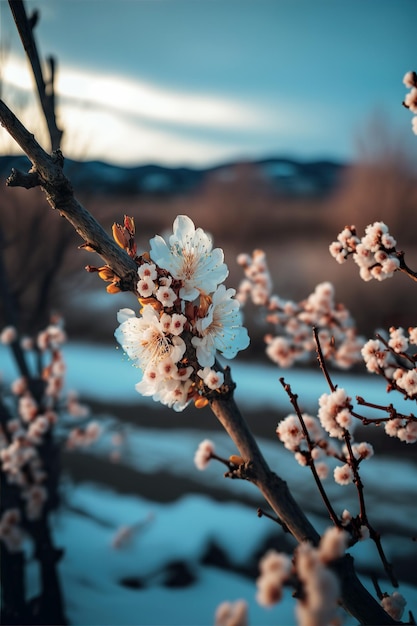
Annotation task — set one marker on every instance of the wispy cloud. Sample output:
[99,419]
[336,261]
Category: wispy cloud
[126,120]
[142,99]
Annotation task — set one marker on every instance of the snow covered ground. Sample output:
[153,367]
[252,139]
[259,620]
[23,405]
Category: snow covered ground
[135,584]
[92,570]
[105,373]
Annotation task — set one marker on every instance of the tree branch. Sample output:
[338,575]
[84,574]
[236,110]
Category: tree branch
[59,193]
[404,267]
[25,26]
[272,487]
[355,597]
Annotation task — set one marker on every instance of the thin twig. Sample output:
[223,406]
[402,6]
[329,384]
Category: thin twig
[404,267]
[321,360]
[294,401]
[354,465]
[46,92]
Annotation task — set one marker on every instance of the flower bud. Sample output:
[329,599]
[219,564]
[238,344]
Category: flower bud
[200,402]
[236,459]
[113,288]
[129,224]
[106,273]
[120,236]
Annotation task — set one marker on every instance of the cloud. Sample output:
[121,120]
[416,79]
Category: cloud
[103,135]
[141,99]
[126,120]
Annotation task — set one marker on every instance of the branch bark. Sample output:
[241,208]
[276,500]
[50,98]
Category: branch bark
[59,193]
[355,597]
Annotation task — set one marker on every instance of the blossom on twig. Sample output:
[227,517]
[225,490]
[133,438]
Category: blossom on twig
[187,317]
[343,474]
[291,340]
[204,454]
[11,533]
[375,253]
[275,569]
[394,605]
[190,258]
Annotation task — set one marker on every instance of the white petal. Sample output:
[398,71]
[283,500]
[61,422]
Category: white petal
[124,314]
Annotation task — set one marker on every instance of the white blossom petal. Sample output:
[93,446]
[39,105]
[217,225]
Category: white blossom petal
[189,257]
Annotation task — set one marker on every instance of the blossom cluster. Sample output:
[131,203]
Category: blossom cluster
[311,438]
[187,316]
[410,100]
[292,340]
[291,433]
[26,430]
[391,359]
[319,595]
[375,253]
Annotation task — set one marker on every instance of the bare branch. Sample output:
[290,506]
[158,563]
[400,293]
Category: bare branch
[59,193]
[21,179]
[273,488]
[46,93]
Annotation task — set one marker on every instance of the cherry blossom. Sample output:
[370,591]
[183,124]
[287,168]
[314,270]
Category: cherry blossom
[292,339]
[275,569]
[375,253]
[211,378]
[318,588]
[204,454]
[410,79]
[334,412]
[187,317]
[143,338]
[220,329]
[343,474]
[8,335]
[190,258]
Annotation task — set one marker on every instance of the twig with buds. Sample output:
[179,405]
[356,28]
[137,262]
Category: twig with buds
[354,463]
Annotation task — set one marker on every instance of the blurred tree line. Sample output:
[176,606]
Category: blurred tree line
[243,210]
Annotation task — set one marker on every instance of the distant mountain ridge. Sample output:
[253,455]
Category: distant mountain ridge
[288,176]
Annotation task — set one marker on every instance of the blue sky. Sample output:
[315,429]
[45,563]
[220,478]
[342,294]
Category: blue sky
[199,82]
